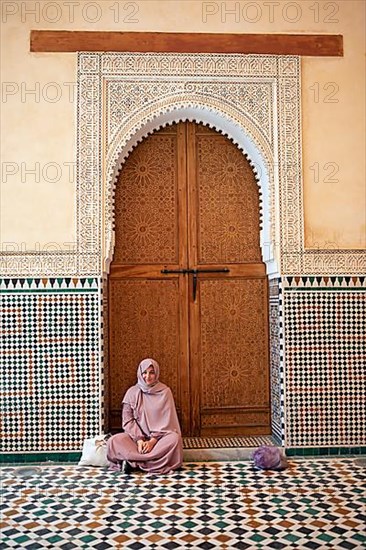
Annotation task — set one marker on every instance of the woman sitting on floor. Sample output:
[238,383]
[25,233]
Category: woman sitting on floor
[152,438]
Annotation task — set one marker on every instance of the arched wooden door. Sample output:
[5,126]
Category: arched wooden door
[187,284]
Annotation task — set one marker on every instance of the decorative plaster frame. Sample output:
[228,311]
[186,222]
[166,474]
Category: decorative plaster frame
[131,95]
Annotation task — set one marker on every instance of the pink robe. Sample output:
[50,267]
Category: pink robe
[148,411]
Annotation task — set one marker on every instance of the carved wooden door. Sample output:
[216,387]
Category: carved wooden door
[187,284]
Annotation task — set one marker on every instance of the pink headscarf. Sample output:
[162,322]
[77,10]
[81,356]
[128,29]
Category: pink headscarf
[143,366]
[153,406]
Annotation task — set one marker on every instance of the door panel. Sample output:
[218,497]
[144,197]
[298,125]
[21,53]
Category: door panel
[229,315]
[149,325]
[148,310]
[146,204]
[233,370]
[227,205]
[187,208]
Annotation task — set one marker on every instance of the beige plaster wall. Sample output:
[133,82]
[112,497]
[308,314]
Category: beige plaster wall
[39,104]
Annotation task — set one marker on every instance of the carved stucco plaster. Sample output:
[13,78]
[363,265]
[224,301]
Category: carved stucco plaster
[236,95]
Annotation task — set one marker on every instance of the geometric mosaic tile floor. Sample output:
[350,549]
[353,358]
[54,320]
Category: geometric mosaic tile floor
[314,504]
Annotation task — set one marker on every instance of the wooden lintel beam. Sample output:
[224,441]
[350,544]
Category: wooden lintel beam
[163,42]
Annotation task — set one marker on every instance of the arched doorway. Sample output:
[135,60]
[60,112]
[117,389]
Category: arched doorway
[187,283]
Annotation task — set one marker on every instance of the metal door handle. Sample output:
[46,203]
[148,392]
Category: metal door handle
[167,271]
[195,272]
[223,270]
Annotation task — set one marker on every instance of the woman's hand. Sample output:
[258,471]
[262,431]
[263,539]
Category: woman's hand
[144,447]
[149,445]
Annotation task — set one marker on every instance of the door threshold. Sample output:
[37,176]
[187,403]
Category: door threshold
[201,449]
[227,442]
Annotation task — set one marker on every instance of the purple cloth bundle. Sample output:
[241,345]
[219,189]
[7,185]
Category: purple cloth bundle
[269,458]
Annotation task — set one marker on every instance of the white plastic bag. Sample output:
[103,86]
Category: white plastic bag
[94,452]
